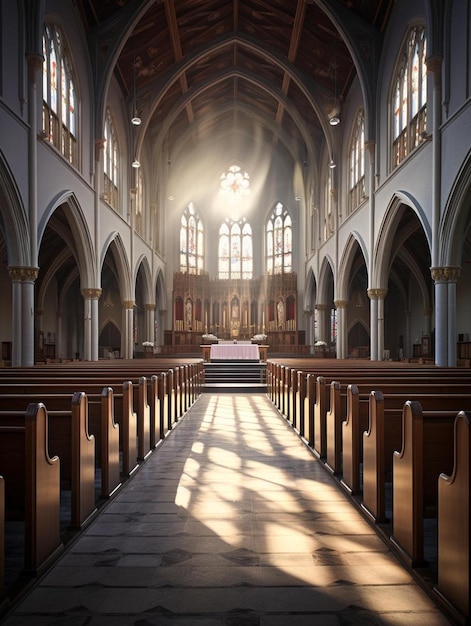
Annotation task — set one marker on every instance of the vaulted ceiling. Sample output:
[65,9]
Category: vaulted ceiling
[197,70]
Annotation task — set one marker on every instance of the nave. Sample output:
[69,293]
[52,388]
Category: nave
[231,521]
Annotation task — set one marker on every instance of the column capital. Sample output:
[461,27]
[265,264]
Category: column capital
[370,146]
[91,293]
[149,307]
[99,145]
[22,273]
[446,274]
[128,304]
[341,304]
[377,293]
[322,307]
[434,65]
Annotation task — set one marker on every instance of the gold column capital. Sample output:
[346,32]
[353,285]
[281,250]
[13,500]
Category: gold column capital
[377,293]
[91,293]
[446,274]
[149,307]
[22,273]
[128,304]
[322,307]
[341,304]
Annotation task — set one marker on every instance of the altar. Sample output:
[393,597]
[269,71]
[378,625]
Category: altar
[230,351]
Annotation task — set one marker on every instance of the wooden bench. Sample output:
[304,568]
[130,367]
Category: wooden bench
[384,436]
[454,549]
[427,450]
[70,441]
[32,486]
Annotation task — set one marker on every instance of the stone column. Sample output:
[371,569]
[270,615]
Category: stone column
[341,306]
[23,279]
[150,318]
[90,323]
[445,279]
[377,323]
[162,325]
[127,335]
[323,335]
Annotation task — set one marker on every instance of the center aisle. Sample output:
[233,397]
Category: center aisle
[231,521]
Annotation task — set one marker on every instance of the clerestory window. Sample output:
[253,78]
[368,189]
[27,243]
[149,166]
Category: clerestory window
[59,95]
[409,100]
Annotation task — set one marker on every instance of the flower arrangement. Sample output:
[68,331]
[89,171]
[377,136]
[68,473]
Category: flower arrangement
[148,344]
[320,344]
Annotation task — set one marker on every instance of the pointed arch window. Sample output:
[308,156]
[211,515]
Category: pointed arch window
[235,251]
[139,203]
[59,95]
[279,241]
[357,163]
[409,100]
[191,241]
[110,166]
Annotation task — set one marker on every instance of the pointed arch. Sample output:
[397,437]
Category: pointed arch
[13,220]
[389,225]
[78,234]
[114,244]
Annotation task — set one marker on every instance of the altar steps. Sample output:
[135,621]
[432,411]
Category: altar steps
[235,377]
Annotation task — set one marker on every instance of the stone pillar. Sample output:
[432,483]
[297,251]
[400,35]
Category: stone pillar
[23,279]
[341,348]
[90,323]
[127,335]
[445,279]
[377,323]
[323,335]
[162,325]
[150,319]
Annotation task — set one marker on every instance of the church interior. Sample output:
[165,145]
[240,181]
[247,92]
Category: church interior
[294,174]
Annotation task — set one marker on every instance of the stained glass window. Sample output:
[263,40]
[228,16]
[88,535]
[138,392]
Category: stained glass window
[357,163]
[279,241]
[409,101]
[110,163]
[191,241]
[59,95]
[235,253]
[234,183]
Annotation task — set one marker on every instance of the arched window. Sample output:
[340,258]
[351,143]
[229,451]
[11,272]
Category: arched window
[235,253]
[409,99]
[139,203]
[191,241]
[59,95]
[110,168]
[279,242]
[356,172]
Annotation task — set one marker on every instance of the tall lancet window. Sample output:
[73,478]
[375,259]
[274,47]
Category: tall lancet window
[191,242]
[409,97]
[279,241]
[110,163]
[59,95]
[357,164]
[235,252]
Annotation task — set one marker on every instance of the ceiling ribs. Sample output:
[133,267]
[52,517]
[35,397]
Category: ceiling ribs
[293,50]
[177,52]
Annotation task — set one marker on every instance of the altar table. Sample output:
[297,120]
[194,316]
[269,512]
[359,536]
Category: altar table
[234,351]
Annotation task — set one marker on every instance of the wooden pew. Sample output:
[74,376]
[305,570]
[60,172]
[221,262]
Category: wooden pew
[427,450]
[32,486]
[454,549]
[384,436]
[124,414]
[106,431]
[70,441]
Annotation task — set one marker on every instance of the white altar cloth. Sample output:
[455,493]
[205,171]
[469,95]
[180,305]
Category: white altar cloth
[233,351]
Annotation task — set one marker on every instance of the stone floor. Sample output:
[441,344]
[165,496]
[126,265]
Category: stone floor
[231,521]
